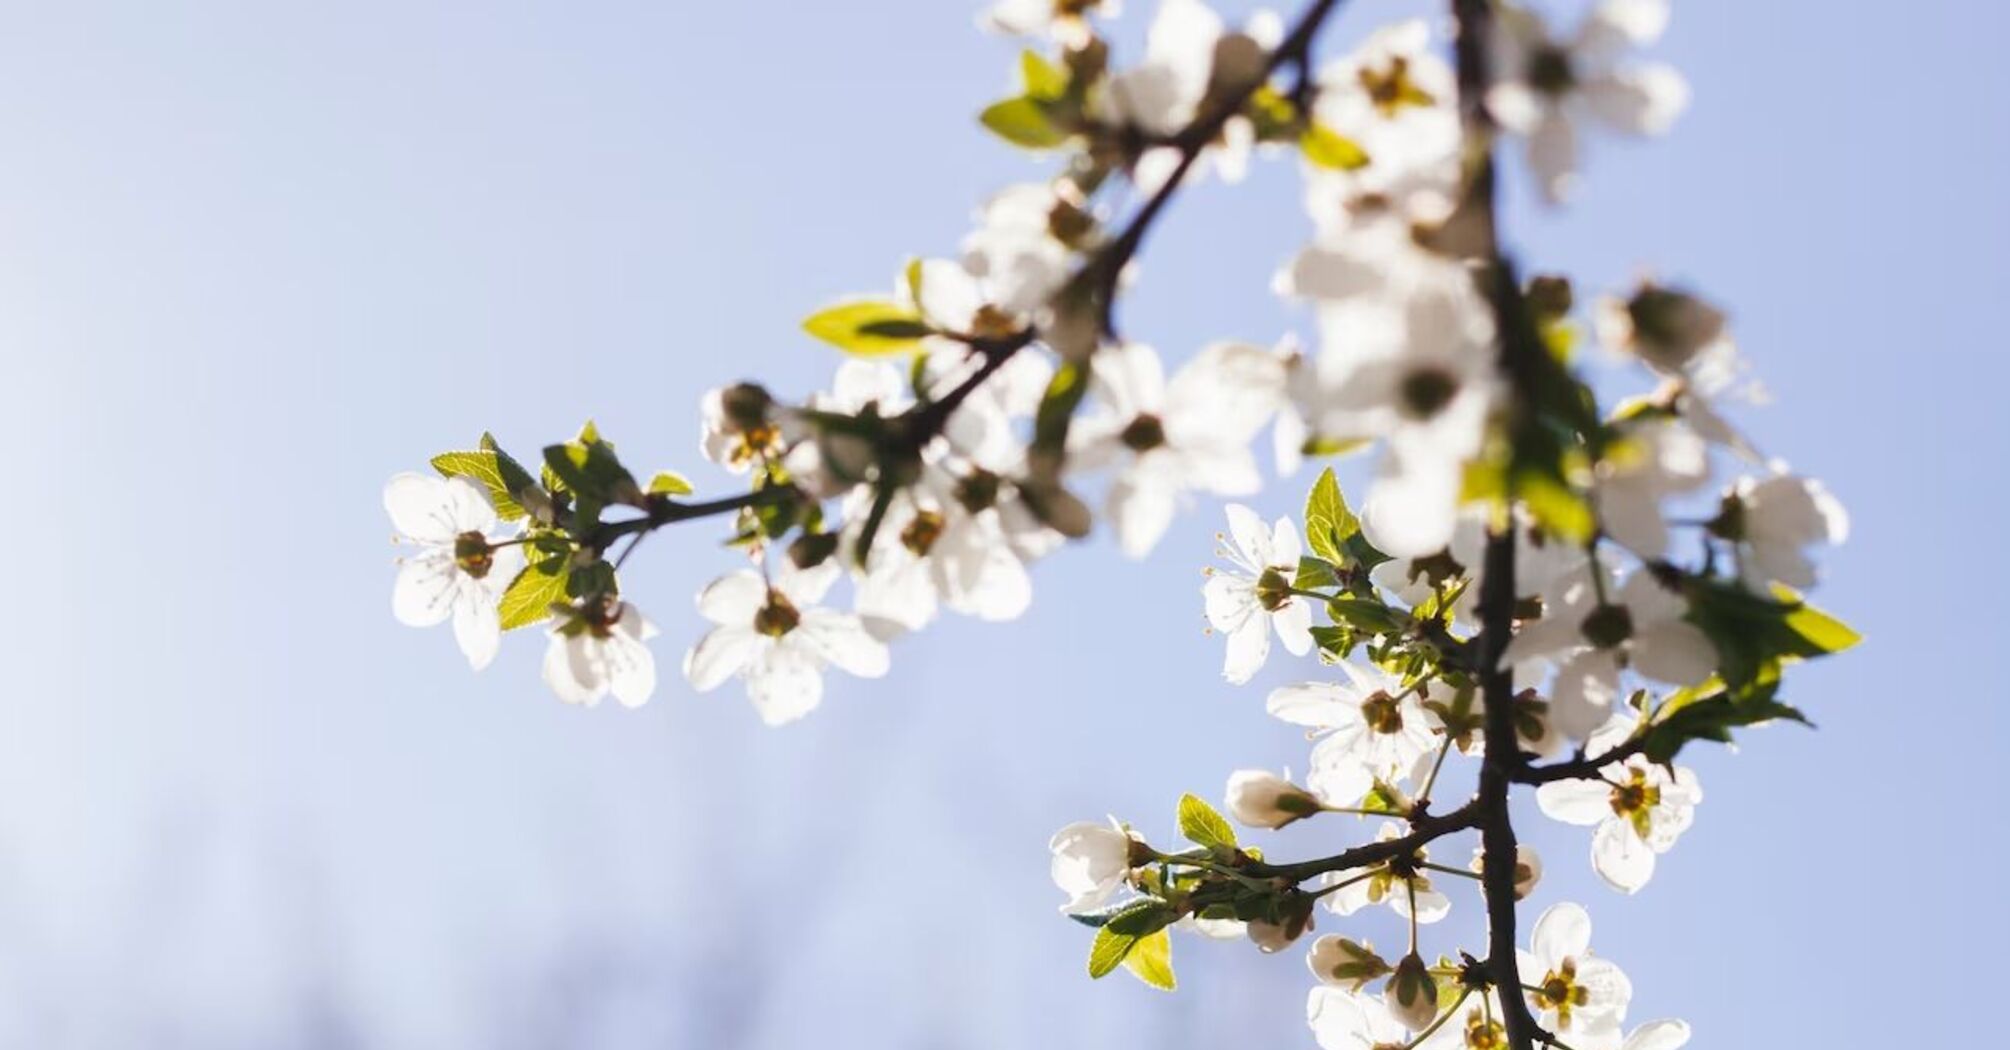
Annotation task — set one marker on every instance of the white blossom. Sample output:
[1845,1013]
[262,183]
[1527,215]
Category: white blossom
[1401,885]
[459,572]
[1189,58]
[1169,438]
[1090,861]
[1066,21]
[774,636]
[1649,462]
[1638,807]
[739,427]
[1368,727]
[598,647]
[1247,602]
[1639,625]
[1343,1020]
[1578,996]
[1396,99]
[1775,520]
[1547,88]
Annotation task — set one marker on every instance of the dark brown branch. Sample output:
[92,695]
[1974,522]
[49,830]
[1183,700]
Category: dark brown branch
[1425,828]
[1514,328]
[1582,766]
[666,511]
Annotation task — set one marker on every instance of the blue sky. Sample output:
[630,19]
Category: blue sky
[255,257]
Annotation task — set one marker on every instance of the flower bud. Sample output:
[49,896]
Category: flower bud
[1260,799]
[1089,861]
[1339,961]
[1412,994]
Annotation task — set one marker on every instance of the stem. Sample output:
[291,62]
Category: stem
[663,511]
[1424,796]
[1582,767]
[1449,870]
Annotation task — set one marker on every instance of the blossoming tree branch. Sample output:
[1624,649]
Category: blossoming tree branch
[1564,592]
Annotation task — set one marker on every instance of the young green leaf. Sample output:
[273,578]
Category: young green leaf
[1150,960]
[1330,149]
[1023,122]
[530,596]
[669,483]
[869,327]
[1199,822]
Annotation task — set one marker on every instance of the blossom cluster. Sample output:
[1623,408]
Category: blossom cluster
[1563,587]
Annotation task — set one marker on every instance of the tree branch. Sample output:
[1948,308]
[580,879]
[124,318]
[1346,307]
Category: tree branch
[1425,828]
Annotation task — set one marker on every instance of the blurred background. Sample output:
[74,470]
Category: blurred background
[256,257]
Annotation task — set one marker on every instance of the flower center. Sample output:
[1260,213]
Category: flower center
[473,555]
[1634,802]
[1549,70]
[1608,626]
[1382,713]
[993,323]
[978,490]
[1560,991]
[1144,433]
[1273,591]
[778,617]
[1391,88]
[1482,1034]
[1426,391]
[921,533]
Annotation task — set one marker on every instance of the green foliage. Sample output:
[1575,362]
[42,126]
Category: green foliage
[1124,930]
[1752,631]
[869,327]
[669,483]
[1329,149]
[531,595]
[1033,120]
[587,467]
[1333,531]
[1150,961]
[502,477]
[1199,822]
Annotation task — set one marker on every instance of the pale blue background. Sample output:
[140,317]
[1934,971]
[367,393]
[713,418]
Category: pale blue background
[257,256]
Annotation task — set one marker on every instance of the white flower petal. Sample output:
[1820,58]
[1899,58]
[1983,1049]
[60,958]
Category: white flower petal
[1562,932]
[1620,858]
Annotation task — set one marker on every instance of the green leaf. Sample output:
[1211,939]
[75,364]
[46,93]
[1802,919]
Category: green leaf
[669,483]
[1329,523]
[1023,122]
[1042,79]
[1108,951]
[1330,149]
[1713,719]
[1365,614]
[1199,822]
[587,467]
[1314,573]
[1751,631]
[1150,960]
[1556,508]
[531,595]
[492,468]
[869,327]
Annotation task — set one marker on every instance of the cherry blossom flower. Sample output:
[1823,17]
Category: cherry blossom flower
[773,635]
[1396,99]
[1344,963]
[1402,884]
[1342,1020]
[1639,809]
[1249,601]
[1774,520]
[1368,727]
[1527,868]
[1189,57]
[740,428]
[1651,461]
[1639,626]
[596,648]
[1066,21]
[1090,861]
[941,553]
[1548,87]
[459,571]
[1189,434]
[1025,242]
[1576,995]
